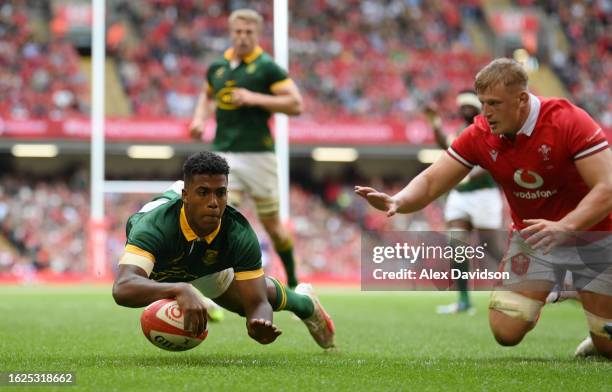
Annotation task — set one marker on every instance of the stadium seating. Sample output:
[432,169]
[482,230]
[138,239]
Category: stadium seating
[162,48]
[39,76]
[327,229]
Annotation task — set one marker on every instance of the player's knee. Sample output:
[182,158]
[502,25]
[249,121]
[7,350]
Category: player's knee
[516,306]
[601,332]
[506,330]
[602,345]
[511,316]
[267,208]
[275,230]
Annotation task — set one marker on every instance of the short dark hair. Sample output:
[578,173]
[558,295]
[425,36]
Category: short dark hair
[204,162]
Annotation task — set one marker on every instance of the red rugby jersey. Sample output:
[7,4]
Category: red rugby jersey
[536,170]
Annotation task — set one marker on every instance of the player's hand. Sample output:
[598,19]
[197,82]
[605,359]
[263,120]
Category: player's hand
[431,113]
[194,310]
[379,200]
[196,129]
[243,97]
[430,110]
[263,330]
[544,234]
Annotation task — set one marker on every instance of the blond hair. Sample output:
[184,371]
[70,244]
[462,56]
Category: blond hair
[508,72]
[246,14]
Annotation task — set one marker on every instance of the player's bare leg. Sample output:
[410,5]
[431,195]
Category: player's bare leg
[283,245]
[599,316]
[512,314]
[460,233]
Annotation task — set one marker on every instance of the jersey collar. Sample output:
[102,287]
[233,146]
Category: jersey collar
[532,118]
[249,58]
[188,232]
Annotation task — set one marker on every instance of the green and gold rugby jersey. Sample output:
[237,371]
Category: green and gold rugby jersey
[243,129]
[482,181]
[162,234]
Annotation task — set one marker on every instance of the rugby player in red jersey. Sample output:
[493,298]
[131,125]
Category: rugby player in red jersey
[554,165]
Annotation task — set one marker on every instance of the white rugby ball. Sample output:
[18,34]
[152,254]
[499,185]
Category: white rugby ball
[162,323]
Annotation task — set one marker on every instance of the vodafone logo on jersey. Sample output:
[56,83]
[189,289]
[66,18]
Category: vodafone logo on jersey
[528,179]
[531,180]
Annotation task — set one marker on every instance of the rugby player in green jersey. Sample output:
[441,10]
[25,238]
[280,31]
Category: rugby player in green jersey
[473,205]
[247,86]
[182,242]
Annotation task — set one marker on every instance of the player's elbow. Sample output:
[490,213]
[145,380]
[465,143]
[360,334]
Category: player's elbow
[297,107]
[606,189]
[121,293]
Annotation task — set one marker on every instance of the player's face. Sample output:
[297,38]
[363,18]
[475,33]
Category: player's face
[245,36]
[504,108]
[205,198]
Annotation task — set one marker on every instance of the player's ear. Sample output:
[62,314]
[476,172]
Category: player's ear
[184,193]
[524,98]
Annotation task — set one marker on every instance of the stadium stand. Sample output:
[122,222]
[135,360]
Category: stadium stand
[406,44]
[39,73]
[160,49]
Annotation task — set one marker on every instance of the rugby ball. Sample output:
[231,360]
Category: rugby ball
[162,323]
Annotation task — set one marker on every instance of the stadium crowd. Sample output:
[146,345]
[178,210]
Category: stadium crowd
[385,62]
[38,78]
[407,44]
[583,70]
[327,226]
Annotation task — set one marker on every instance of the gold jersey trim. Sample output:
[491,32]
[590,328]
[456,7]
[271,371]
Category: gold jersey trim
[249,58]
[129,248]
[188,232]
[137,259]
[280,84]
[247,275]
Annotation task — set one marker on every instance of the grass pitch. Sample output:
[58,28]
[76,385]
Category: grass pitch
[388,342]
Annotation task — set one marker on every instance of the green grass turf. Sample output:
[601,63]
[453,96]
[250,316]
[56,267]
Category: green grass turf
[388,341]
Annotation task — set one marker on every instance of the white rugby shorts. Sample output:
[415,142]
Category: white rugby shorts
[483,208]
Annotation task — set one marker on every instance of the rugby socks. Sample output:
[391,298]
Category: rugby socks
[459,238]
[287,299]
[285,252]
[462,286]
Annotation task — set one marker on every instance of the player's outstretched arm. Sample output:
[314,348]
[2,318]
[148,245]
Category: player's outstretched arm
[257,310]
[430,184]
[132,288]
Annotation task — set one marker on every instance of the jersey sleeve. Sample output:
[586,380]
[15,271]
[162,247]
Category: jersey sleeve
[585,137]
[463,148]
[277,77]
[209,78]
[247,256]
[144,240]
